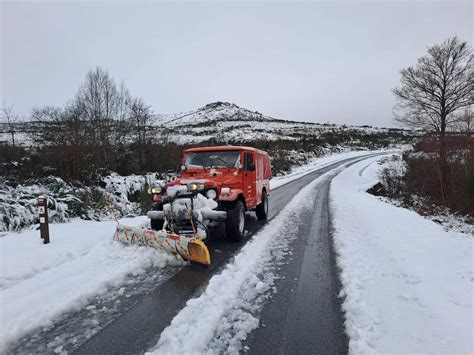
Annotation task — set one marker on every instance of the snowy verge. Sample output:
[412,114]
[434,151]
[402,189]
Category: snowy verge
[407,283]
[39,282]
[319,163]
[234,297]
[392,189]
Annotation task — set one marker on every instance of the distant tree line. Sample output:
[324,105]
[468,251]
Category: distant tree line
[102,128]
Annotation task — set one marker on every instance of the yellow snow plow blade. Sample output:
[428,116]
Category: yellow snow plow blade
[188,248]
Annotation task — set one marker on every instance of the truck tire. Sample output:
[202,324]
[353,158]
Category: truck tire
[157,224]
[262,209]
[235,224]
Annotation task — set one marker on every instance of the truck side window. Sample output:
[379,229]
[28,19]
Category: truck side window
[249,165]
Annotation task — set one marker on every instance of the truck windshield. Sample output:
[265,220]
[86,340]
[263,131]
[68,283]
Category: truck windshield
[212,159]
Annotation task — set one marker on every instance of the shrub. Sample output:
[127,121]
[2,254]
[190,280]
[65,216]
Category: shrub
[392,176]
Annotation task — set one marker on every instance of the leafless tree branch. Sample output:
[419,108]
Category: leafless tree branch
[441,84]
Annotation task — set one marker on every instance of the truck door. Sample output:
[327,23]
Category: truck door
[249,179]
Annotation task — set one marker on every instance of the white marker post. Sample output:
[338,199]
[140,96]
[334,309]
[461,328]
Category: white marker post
[43,219]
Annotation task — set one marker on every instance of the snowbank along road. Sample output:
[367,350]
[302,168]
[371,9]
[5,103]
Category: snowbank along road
[406,280]
[293,288]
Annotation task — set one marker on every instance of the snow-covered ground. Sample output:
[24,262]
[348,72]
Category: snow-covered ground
[40,282]
[407,283]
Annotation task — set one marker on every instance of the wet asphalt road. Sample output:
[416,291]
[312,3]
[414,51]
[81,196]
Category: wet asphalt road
[304,317]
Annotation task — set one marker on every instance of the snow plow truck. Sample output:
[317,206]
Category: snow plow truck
[217,185]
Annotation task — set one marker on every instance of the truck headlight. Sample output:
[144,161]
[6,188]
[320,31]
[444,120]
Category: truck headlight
[156,190]
[195,187]
[212,194]
[225,191]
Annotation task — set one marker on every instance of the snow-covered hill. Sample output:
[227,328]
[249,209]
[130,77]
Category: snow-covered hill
[227,122]
[215,111]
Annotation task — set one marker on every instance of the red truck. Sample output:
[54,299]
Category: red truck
[217,186]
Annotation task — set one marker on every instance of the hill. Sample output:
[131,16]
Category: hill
[227,122]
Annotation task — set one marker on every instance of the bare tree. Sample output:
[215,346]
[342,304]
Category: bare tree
[465,121]
[49,129]
[102,128]
[61,137]
[101,103]
[142,120]
[439,85]
[10,118]
[432,92]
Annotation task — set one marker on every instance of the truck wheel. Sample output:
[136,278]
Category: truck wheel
[235,224]
[157,224]
[262,209]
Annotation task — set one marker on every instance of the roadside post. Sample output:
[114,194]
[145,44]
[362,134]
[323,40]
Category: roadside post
[43,219]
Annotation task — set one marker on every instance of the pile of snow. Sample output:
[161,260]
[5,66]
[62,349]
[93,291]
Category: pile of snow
[124,189]
[233,298]
[40,282]
[407,283]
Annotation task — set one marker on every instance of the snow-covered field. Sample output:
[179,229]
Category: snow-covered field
[407,282]
[40,282]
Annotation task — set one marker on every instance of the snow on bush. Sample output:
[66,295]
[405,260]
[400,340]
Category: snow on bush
[18,203]
[392,174]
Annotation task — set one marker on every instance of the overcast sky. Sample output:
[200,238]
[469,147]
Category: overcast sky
[311,61]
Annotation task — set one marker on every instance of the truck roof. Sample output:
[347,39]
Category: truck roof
[223,147]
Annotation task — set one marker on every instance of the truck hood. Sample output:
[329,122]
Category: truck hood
[212,178]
